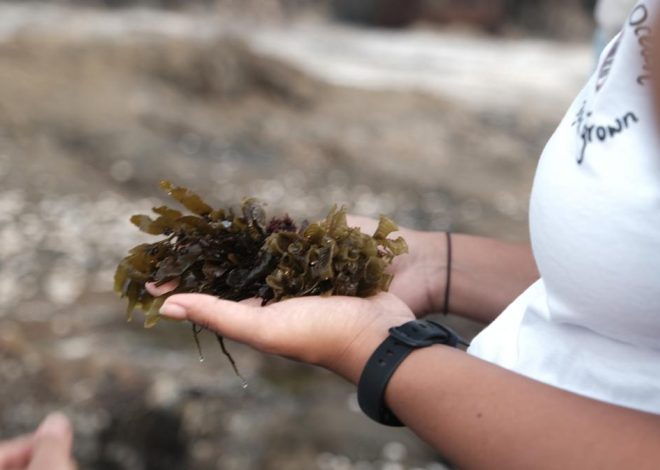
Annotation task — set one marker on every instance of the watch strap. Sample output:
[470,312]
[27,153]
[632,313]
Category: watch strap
[388,356]
[375,377]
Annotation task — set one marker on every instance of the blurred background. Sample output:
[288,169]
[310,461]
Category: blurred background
[431,111]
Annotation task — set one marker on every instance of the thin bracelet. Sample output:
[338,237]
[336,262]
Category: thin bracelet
[445,310]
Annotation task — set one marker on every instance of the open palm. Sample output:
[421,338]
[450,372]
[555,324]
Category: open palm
[325,331]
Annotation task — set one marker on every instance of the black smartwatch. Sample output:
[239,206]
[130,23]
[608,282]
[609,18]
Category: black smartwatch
[383,362]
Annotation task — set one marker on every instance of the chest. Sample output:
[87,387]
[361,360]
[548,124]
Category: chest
[595,221]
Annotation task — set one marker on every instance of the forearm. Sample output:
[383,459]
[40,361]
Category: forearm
[487,275]
[459,404]
[481,416]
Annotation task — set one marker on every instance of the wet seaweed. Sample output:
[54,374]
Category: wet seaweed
[240,255]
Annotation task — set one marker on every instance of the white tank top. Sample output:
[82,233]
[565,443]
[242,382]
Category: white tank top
[591,325]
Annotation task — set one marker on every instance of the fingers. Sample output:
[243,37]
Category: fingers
[157,291]
[16,453]
[52,444]
[234,320]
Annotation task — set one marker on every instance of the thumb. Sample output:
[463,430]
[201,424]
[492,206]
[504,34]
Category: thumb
[233,320]
[52,444]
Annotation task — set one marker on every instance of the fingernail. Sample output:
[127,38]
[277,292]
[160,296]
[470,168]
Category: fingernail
[173,311]
[55,423]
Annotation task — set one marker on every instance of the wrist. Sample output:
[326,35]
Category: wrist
[352,361]
[386,311]
[435,260]
[402,341]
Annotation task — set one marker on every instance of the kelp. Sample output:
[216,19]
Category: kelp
[240,255]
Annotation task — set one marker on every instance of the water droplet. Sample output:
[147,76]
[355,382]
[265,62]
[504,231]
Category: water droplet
[244,384]
[201,358]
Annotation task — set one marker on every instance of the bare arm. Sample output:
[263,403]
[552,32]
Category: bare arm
[477,414]
[481,416]
[487,274]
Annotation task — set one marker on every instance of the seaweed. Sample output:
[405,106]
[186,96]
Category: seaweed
[241,255]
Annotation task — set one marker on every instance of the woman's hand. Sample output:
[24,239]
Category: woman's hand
[487,274]
[49,448]
[420,275]
[338,333]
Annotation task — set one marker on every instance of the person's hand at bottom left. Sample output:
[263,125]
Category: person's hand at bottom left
[49,448]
